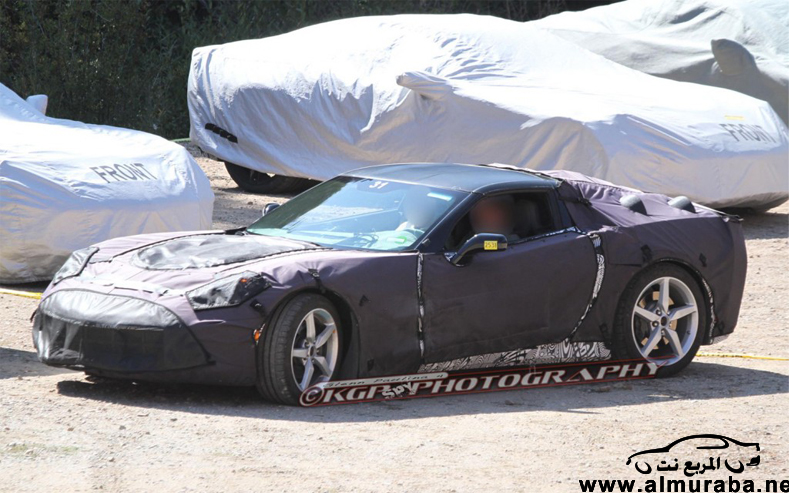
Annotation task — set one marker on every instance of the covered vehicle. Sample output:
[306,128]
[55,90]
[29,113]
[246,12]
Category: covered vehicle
[395,269]
[328,98]
[65,185]
[735,44]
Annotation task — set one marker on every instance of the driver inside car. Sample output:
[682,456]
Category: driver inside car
[420,209]
[495,215]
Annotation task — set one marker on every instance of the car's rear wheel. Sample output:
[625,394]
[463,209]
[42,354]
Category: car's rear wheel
[258,182]
[300,348]
[661,318]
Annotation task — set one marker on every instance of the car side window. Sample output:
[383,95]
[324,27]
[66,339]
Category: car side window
[531,215]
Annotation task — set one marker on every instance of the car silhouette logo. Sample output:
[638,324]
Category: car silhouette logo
[643,461]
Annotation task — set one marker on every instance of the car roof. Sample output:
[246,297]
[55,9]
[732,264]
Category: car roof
[478,178]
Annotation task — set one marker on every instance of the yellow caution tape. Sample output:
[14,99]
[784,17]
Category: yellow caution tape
[744,356]
[24,294]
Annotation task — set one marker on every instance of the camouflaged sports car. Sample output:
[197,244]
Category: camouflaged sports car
[397,269]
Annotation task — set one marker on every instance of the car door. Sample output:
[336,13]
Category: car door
[532,293]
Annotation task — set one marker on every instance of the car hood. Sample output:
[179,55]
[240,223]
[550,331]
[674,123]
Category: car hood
[211,250]
[172,263]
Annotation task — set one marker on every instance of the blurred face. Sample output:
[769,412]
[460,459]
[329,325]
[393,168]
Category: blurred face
[419,209]
[493,215]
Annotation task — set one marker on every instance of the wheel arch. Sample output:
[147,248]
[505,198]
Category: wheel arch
[623,343]
[348,320]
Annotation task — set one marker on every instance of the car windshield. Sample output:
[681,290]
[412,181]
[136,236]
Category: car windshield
[360,213]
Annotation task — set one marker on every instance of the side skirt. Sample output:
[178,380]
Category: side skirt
[561,352]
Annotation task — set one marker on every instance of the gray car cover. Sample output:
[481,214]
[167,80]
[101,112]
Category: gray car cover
[337,96]
[65,185]
[741,45]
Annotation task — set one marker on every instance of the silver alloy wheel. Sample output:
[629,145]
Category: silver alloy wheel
[315,348]
[665,320]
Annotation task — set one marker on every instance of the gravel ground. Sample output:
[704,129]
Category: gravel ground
[60,431]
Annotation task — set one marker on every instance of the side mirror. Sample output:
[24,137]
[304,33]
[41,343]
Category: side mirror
[270,207]
[486,242]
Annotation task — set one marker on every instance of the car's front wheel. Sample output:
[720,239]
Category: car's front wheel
[661,318]
[300,348]
[258,182]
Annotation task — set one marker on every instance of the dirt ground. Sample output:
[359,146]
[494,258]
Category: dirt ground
[59,431]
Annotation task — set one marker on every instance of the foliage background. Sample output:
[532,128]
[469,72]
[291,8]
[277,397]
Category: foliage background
[126,62]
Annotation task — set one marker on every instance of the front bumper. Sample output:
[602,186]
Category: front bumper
[87,330]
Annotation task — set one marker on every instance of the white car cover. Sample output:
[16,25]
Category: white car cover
[737,44]
[65,185]
[474,89]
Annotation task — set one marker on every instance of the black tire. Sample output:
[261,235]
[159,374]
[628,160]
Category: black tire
[628,327]
[276,381]
[257,182]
